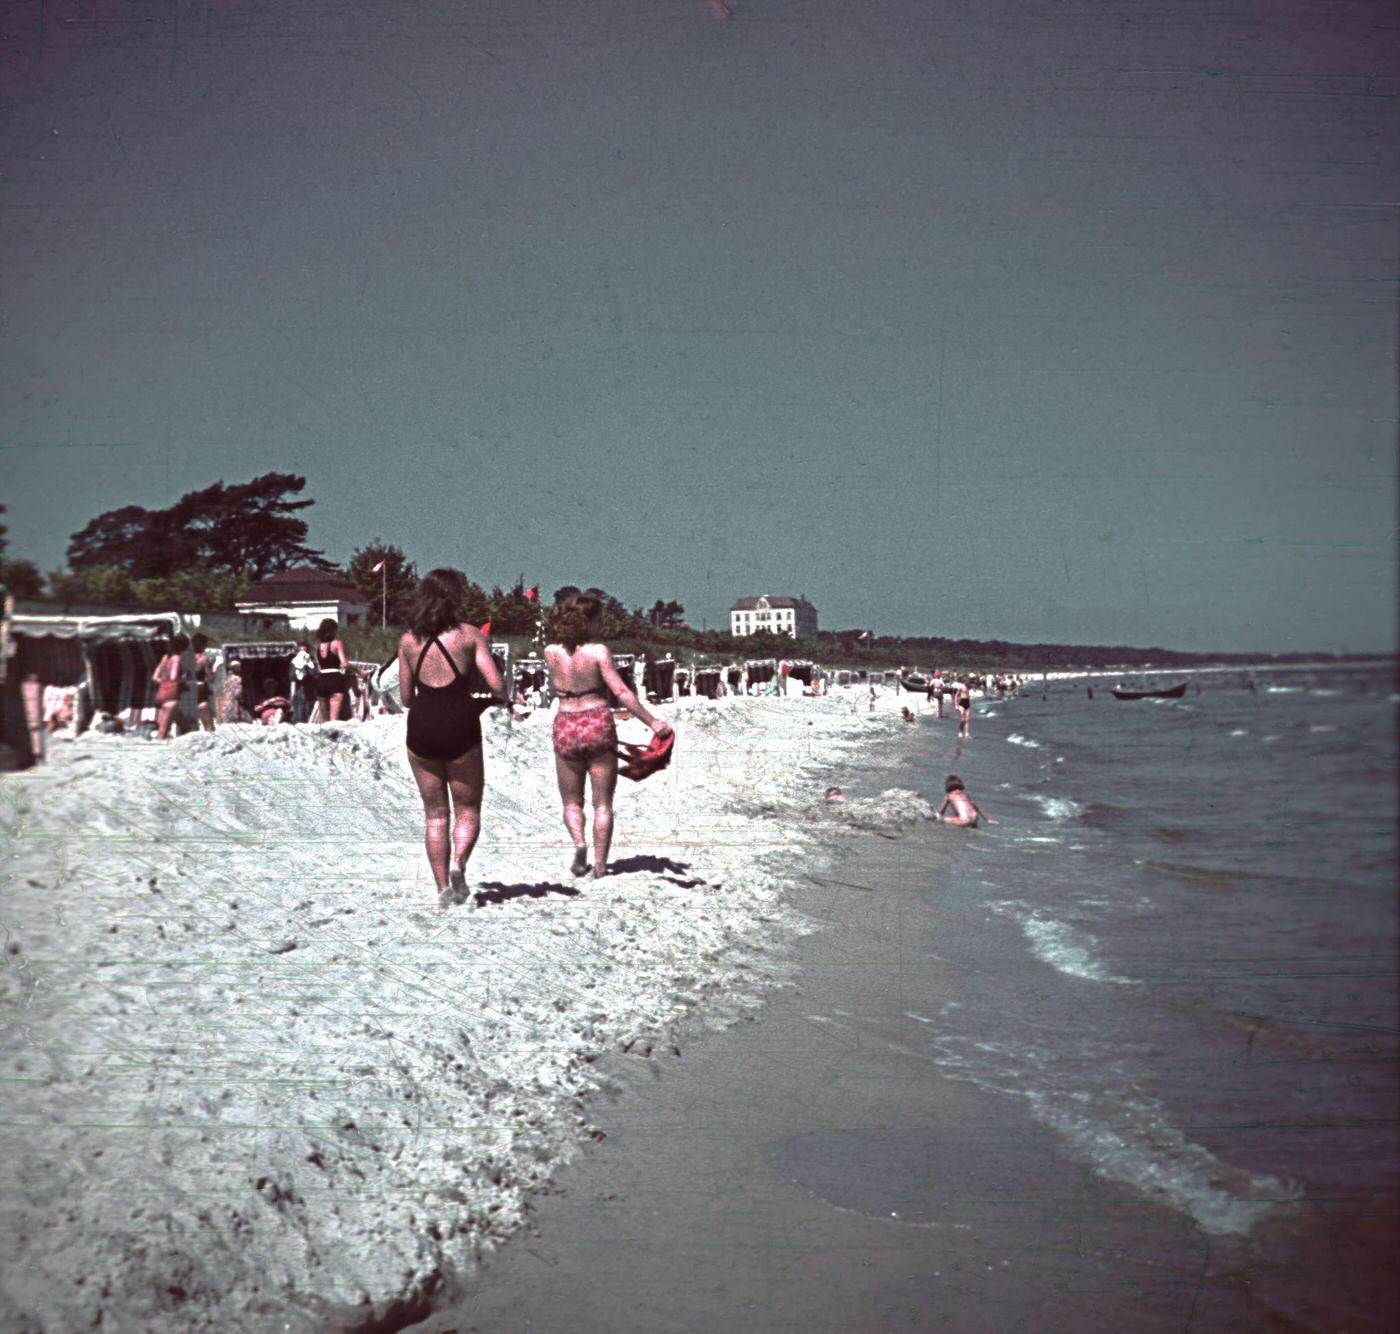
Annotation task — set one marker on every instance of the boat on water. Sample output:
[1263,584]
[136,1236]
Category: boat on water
[1166,692]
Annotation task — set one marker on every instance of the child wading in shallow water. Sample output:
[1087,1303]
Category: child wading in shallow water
[965,810]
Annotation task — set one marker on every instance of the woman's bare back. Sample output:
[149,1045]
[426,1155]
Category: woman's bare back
[434,670]
[577,673]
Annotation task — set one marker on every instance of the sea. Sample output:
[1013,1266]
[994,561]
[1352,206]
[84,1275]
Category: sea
[1177,948]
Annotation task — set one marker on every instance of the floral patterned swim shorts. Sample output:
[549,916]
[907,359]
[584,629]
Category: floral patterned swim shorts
[581,736]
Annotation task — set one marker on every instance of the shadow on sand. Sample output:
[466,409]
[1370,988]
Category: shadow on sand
[496,891]
[662,866]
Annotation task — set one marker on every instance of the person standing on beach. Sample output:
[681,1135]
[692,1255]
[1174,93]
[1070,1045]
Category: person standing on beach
[443,664]
[203,670]
[331,664]
[582,674]
[962,701]
[169,676]
[303,682]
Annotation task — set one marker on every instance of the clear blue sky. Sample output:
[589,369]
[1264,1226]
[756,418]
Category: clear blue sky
[993,319]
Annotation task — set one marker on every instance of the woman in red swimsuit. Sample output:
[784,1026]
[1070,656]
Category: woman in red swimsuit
[169,675]
[445,672]
[583,677]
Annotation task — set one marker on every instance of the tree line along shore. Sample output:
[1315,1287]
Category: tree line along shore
[202,554]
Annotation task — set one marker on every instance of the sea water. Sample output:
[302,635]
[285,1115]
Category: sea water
[1179,941]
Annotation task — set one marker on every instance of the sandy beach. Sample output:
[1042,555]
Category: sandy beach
[260,1082]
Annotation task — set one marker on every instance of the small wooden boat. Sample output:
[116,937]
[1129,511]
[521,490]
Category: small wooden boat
[1167,692]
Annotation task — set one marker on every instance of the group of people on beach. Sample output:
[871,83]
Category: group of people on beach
[328,677]
[186,660]
[445,669]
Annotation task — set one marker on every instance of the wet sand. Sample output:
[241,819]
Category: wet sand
[810,1170]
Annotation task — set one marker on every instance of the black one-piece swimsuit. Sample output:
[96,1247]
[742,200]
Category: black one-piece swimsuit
[444,722]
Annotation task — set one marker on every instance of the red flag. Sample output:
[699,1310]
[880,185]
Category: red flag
[486,627]
[375,569]
[532,594]
[864,634]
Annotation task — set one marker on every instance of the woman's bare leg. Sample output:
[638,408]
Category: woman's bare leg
[466,780]
[602,769]
[206,717]
[167,712]
[337,706]
[572,776]
[432,787]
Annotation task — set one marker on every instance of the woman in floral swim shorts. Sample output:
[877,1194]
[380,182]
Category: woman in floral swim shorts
[583,677]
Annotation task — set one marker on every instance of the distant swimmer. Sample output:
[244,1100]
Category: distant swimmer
[1090,689]
[965,811]
[835,794]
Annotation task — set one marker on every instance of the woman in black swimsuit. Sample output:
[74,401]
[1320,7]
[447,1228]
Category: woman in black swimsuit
[331,662]
[202,672]
[445,670]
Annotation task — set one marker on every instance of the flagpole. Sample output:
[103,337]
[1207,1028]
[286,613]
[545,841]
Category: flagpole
[384,600]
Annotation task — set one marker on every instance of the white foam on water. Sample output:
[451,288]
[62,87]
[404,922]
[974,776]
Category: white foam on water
[1016,739]
[1132,1141]
[1058,945]
[922,1018]
[1058,808]
[1283,690]
[1322,727]
[1120,1135]
[1240,731]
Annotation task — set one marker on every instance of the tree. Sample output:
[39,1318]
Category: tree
[92,583]
[249,527]
[195,587]
[398,578]
[21,577]
[673,614]
[510,611]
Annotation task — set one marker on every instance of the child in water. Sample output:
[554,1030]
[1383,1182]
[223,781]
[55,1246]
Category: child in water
[965,810]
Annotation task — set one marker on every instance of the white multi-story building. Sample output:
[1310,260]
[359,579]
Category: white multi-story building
[795,617]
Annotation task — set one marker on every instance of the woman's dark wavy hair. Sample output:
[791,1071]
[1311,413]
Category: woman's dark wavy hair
[439,603]
[568,622]
[327,630]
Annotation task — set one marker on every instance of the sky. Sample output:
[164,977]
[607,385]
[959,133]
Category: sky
[1036,320]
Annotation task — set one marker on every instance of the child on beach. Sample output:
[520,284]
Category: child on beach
[965,810]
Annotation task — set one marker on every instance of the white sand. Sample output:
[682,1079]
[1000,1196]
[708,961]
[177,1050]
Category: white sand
[254,1078]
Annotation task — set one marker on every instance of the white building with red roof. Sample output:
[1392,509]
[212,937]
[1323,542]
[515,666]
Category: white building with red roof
[795,617]
[306,596]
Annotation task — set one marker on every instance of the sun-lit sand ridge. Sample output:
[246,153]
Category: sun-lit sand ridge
[253,1073]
